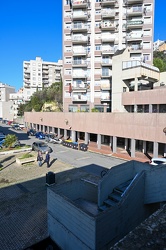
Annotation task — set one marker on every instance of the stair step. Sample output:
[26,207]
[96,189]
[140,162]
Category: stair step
[122,187]
[114,196]
[120,192]
[110,202]
[103,207]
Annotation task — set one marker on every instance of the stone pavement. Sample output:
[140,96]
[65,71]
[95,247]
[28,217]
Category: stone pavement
[23,201]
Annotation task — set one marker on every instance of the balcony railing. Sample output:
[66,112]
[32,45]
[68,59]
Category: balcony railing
[107,13]
[79,15]
[79,4]
[108,2]
[135,23]
[80,39]
[79,98]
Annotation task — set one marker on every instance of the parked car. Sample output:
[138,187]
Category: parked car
[42,146]
[16,127]
[31,132]
[40,135]
[1,143]
[157,161]
[49,137]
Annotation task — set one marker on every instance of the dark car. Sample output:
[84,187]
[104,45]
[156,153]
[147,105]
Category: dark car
[16,127]
[41,146]
[31,132]
[40,135]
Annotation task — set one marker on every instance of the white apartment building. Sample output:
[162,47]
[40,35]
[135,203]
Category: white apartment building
[38,74]
[93,30]
[5,103]
[17,99]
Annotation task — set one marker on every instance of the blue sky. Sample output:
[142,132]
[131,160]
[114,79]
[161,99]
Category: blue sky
[34,28]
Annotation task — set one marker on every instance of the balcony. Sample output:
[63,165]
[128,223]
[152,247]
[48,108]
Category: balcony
[79,98]
[79,87]
[80,4]
[79,75]
[108,51]
[108,2]
[135,48]
[80,15]
[135,23]
[106,62]
[105,86]
[134,1]
[80,27]
[108,38]
[27,76]
[80,52]
[79,39]
[107,25]
[79,63]
[134,37]
[135,11]
[108,14]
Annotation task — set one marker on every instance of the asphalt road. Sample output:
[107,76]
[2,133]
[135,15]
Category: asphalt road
[91,162]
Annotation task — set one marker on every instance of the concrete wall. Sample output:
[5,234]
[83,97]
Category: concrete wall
[148,127]
[155,185]
[78,189]
[69,226]
[111,226]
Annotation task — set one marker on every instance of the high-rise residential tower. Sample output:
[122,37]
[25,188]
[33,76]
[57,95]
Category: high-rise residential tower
[38,74]
[93,31]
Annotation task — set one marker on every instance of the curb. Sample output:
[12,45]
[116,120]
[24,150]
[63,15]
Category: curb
[15,151]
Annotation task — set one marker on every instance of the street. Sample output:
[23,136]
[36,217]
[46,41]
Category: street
[91,162]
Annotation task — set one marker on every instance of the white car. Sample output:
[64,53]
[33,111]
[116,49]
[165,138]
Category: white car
[157,161]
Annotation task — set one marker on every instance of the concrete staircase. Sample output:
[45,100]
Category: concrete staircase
[115,197]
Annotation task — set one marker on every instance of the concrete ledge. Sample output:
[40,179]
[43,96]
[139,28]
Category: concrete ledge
[26,160]
[15,151]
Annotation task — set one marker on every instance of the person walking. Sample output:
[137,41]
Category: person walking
[47,159]
[39,158]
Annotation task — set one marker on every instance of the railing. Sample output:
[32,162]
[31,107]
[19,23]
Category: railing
[136,63]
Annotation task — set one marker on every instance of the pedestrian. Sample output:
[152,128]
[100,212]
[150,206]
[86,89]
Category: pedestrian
[47,159]
[39,158]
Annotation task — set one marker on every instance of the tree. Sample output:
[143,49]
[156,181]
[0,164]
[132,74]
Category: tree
[159,60]
[9,140]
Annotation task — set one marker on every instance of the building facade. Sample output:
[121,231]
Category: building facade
[38,74]
[6,112]
[93,30]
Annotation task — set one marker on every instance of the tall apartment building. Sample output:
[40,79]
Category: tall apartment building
[38,74]
[93,30]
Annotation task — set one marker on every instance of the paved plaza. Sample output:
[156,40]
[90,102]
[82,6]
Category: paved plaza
[23,200]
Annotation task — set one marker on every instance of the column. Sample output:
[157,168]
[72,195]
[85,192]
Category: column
[150,108]
[144,147]
[86,138]
[114,148]
[126,144]
[132,148]
[111,142]
[58,132]
[78,136]
[165,150]
[65,134]
[99,141]
[155,149]
[73,135]
[136,84]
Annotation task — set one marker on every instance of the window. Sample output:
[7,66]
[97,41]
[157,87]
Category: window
[84,108]
[98,47]
[147,32]
[105,71]
[73,108]
[100,108]
[146,57]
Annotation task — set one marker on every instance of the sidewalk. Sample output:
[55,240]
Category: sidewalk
[23,201]
[121,153]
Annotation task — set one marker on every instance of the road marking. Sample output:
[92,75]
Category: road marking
[83,158]
[62,151]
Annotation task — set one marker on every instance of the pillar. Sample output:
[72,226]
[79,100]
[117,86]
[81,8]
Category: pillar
[132,147]
[73,135]
[99,141]
[144,147]
[58,132]
[86,138]
[65,134]
[114,148]
[126,144]
[155,149]
[136,84]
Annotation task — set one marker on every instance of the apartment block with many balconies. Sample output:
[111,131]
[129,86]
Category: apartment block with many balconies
[93,30]
[38,74]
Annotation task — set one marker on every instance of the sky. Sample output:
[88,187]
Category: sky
[34,28]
